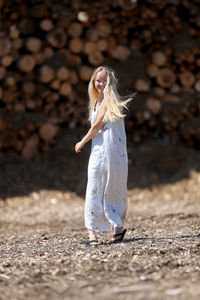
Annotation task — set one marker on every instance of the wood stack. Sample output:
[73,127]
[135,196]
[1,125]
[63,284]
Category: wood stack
[48,52]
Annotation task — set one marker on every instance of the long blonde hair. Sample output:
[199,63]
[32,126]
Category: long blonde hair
[114,102]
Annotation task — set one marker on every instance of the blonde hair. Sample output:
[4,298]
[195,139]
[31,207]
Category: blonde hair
[114,102]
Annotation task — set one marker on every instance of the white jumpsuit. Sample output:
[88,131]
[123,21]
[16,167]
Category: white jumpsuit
[106,193]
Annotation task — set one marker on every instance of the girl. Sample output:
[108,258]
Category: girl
[106,194]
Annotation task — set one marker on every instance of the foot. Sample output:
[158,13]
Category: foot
[94,242]
[92,238]
[92,235]
[118,236]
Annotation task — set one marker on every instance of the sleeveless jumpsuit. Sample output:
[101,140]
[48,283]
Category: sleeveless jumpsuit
[106,193]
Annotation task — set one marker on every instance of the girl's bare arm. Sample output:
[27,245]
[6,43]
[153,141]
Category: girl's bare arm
[94,129]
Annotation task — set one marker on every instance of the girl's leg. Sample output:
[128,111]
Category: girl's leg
[94,214]
[118,230]
[92,235]
[92,238]
[119,233]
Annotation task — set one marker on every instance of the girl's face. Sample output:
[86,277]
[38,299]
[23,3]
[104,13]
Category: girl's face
[100,81]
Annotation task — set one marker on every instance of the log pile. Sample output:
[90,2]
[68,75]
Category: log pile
[49,49]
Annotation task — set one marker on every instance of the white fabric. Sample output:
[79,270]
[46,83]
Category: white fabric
[106,193]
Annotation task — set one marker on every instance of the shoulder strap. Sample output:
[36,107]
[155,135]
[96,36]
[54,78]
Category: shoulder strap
[95,105]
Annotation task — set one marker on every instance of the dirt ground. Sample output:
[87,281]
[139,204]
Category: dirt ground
[44,252]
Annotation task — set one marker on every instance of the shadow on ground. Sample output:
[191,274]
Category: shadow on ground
[161,238]
[151,163]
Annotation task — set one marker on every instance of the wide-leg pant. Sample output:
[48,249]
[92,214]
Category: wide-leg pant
[106,193]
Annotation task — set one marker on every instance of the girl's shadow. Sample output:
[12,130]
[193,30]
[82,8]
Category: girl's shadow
[161,239]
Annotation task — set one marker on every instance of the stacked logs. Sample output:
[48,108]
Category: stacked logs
[170,96]
[48,52]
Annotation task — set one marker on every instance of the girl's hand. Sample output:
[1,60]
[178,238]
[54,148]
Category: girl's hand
[78,147]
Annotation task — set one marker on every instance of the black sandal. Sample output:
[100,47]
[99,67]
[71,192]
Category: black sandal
[121,234]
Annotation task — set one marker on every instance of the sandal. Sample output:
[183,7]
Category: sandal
[120,235]
[94,242]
